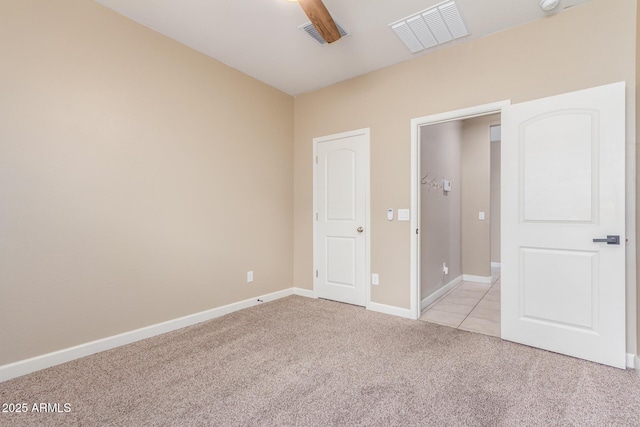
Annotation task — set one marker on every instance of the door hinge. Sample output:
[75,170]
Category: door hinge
[316,159]
[417,231]
[316,274]
[316,216]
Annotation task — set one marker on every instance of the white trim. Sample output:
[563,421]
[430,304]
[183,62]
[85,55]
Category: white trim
[23,367]
[496,264]
[367,226]
[465,113]
[439,293]
[631,359]
[390,309]
[27,366]
[304,292]
[637,364]
[478,279]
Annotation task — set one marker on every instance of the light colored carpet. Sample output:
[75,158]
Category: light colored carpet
[305,362]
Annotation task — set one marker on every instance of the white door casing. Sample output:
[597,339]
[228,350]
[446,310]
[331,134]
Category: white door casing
[563,185]
[341,217]
[416,124]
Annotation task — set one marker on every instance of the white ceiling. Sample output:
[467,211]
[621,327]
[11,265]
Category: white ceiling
[261,37]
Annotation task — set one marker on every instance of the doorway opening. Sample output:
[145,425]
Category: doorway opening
[460,224]
[433,180]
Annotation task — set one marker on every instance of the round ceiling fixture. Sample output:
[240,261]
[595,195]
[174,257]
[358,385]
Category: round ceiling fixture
[549,5]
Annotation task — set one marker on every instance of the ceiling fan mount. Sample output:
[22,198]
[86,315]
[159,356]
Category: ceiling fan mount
[321,19]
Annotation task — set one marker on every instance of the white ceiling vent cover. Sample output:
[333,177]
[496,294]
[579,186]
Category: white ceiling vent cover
[311,30]
[430,27]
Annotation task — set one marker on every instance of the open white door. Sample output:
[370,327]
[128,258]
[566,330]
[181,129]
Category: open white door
[341,229]
[563,187]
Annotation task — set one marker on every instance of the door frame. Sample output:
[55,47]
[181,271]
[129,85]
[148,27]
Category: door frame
[465,113]
[366,132]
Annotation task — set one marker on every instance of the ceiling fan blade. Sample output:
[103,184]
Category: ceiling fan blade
[321,19]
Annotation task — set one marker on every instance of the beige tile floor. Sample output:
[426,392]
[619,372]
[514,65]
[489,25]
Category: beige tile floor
[470,306]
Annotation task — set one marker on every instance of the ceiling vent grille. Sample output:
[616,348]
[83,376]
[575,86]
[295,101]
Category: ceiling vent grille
[311,31]
[431,27]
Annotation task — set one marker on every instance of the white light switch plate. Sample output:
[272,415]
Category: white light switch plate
[404,214]
[481,216]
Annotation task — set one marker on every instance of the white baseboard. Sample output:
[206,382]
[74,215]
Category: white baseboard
[632,361]
[496,264]
[23,367]
[439,293]
[390,309]
[637,364]
[304,293]
[478,279]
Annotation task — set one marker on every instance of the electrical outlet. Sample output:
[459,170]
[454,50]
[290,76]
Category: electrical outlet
[249,276]
[445,269]
[375,279]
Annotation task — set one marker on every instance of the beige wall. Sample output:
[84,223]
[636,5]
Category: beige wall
[440,147]
[584,46]
[139,179]
[476,195]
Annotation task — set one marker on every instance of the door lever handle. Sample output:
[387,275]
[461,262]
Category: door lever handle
[610,240]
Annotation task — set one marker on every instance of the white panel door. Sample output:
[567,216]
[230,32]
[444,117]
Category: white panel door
[563,185]
[341,228]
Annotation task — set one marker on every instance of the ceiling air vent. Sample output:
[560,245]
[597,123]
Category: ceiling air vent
[311,30]
[431,27]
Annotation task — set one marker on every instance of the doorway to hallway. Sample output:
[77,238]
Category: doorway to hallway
[459,237]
